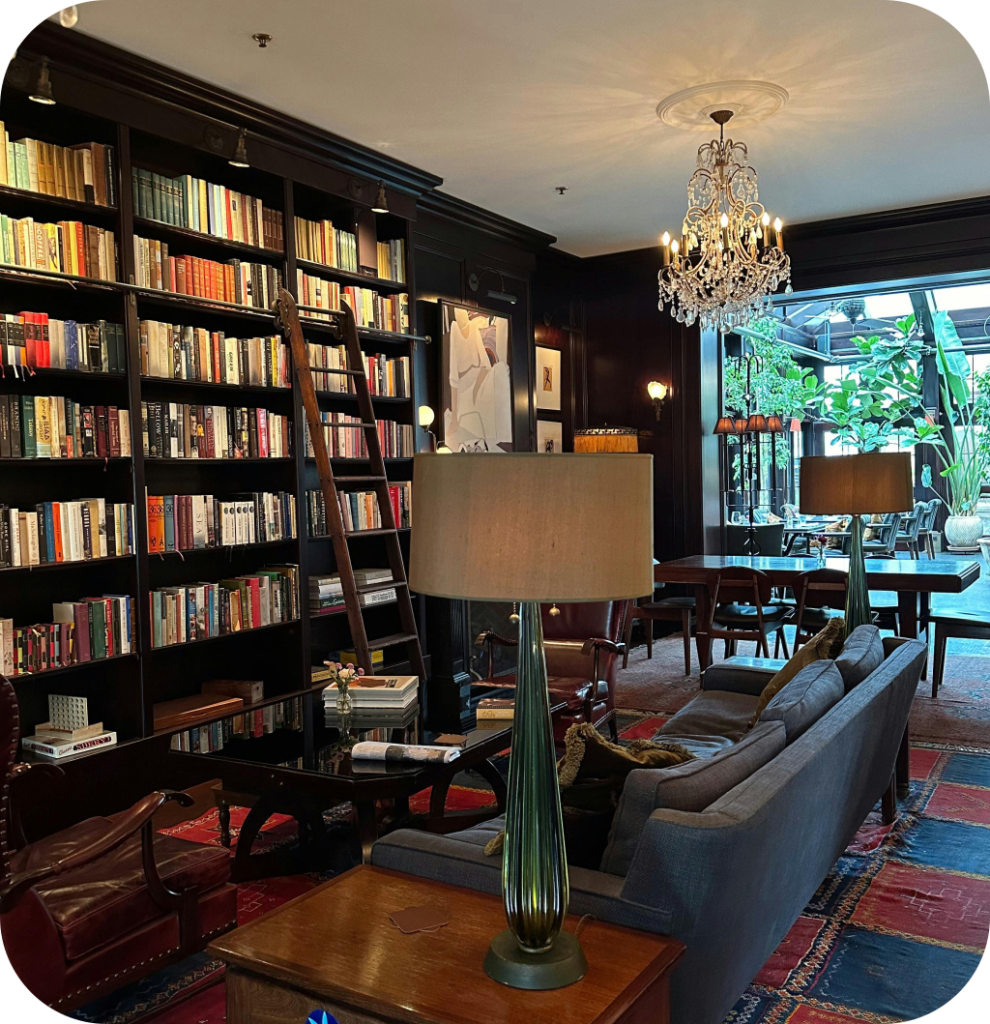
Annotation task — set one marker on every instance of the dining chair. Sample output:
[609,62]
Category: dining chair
[668,609]
[910,528]
[769,536]
[926,531]
[742,608]
[820,596]
[961,626]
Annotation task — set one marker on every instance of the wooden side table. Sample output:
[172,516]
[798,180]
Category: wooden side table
[335,949]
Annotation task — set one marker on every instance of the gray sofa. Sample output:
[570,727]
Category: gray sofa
[730,879]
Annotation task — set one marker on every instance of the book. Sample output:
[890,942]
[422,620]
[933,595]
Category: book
[494,708]
[174,714]
[251,691]
[378,691]
[57,749]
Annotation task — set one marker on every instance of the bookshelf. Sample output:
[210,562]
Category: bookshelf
[122,690]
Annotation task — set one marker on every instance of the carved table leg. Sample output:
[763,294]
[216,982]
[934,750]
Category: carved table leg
[223,816]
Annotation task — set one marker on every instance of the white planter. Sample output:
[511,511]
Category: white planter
[963,532]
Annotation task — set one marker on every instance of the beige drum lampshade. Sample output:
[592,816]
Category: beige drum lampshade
[528,527]
[856,484]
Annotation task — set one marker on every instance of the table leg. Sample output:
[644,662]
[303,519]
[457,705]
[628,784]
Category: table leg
[223,815]
[907,613]
[702,640]
[367,827]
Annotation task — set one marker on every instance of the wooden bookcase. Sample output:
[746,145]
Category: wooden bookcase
[122,691]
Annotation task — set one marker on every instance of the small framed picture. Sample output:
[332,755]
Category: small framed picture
[549,437]
[548,378]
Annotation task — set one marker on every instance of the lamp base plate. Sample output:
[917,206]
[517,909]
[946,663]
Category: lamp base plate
[563,964]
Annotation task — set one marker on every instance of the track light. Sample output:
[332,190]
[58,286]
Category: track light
[43,90]
[381,202]
[240,158]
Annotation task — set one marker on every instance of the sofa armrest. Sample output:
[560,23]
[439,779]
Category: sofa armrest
[891,643]
[741,675]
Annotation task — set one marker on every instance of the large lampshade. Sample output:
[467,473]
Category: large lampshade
[528,527]
[856,484]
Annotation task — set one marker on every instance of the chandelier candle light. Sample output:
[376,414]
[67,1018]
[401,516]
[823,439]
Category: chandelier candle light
[729,258]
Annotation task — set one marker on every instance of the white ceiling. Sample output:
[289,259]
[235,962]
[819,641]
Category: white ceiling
[506,99]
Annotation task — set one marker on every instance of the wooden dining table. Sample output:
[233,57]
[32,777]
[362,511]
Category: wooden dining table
[914,581]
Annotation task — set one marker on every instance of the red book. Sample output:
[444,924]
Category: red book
[156,523]
[197,278]
[228,214]
[81,250]
[101,431]
[230,283]
[190,275]
[113,422]
[262,433]
[254,590]
[173,274]
[41,330]
[211,449]
[57,530]
[215,351]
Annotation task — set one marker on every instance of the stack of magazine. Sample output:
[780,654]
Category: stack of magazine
[377,702]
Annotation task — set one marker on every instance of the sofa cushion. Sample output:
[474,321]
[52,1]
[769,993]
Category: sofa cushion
[692,786]
[826,644]
[715,719]
[861,654]
[813,691]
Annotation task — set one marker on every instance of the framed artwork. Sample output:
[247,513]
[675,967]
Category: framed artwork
[549,437]
[548,378]
[476,379]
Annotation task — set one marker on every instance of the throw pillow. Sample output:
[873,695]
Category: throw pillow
[840,526]
[591,775]
[813,691]
[824,645]
[869,533]
[861,654]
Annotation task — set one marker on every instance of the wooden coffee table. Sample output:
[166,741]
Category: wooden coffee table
[335,949]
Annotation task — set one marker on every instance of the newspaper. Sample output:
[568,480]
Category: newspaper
[369,751]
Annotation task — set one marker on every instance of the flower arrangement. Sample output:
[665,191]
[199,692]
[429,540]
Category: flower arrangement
[342,676]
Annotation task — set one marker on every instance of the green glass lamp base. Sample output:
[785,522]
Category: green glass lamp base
[563,964]
[858,611]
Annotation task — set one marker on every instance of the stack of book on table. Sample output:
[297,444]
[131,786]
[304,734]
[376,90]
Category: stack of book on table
[495,713]
[384,700]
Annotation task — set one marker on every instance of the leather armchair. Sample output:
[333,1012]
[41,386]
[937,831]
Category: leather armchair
[104,902]
[582,646]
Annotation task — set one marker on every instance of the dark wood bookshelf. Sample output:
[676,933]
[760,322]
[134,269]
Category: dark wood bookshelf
[82,563]
[63,670]
[350,277]
[345,396]
[69,377]
[247,709]
[31,757]
[124,689]
[26,199]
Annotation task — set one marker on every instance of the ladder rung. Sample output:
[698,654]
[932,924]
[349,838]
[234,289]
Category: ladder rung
[342,373]
[359,479]
[353,426]
[368,533]
[393,640]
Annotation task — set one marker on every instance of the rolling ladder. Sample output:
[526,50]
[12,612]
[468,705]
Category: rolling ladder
[288,318]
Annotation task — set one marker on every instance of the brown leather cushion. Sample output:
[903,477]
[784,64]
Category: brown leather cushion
[95,904]
[573,690]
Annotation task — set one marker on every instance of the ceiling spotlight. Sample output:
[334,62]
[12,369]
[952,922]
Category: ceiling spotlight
[381,202]
[561,189]
[240,158]
[262,39]
[68,16]
[43,89]
[853,309]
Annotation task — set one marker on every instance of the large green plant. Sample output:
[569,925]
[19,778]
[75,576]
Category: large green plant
[880,401]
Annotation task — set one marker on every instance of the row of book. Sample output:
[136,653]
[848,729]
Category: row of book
[392,260]
[65,531]
[385,376]
[91,629]
[205,739]
[198,611]
[188,202]
[68,247]
[327,592]
[315,291]
[55,427]
[179,352]
[175,430]
[379,312]
[348,442]
[359,509]
[85,173]
[185,522]
[320,242]
[38,341]
[237,281]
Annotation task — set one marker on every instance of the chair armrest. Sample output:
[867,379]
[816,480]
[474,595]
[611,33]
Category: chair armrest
[741,675]
[598,643]
[22,775]
[129,823]
[37,768]
[491,637]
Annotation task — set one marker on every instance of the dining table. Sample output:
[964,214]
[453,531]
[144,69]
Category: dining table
[912,580]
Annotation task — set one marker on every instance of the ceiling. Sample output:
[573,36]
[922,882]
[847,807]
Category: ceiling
[505,99]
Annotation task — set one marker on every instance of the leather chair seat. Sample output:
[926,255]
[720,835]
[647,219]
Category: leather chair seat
[95,904]
[744,615]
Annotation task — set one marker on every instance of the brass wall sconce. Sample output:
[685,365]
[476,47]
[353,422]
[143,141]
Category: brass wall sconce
[42,92]
[658,393]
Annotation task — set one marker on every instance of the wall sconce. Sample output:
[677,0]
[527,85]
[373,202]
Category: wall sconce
[657,392]
[426,418]
[43,89]
[240,157]
[381,202]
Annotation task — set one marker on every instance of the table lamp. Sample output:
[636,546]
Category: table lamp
[522,527]
[856,485]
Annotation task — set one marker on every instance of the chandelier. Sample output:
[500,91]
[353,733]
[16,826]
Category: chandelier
[729,259]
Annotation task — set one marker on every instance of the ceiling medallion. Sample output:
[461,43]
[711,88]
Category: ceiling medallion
[750,101]
[728,259]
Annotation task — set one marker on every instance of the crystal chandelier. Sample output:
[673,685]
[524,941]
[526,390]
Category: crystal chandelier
[729,259]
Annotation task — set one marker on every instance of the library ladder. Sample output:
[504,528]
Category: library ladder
[288,319]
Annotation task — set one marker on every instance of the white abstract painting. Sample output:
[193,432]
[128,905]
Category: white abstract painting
[477,380]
